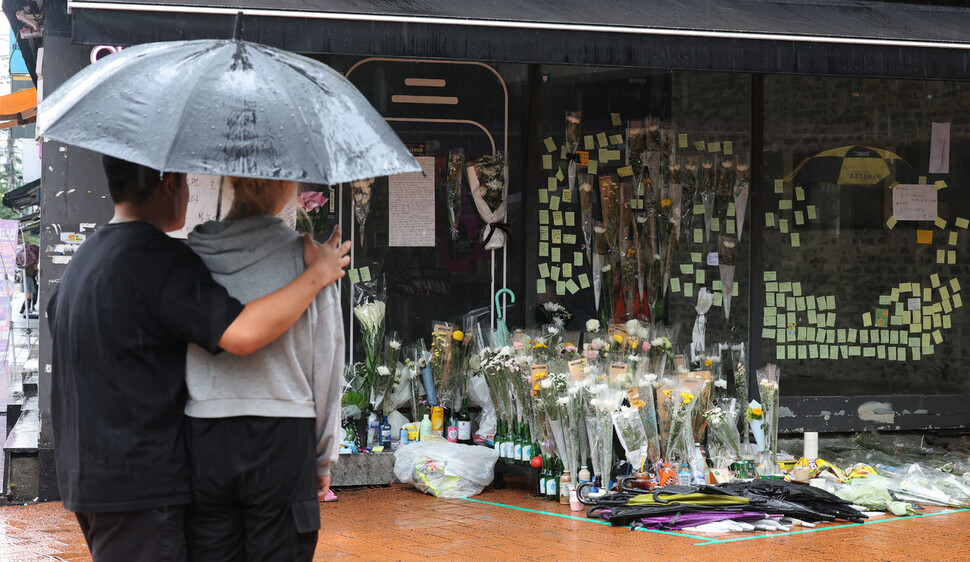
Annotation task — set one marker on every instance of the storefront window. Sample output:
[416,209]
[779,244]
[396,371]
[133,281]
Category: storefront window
[865,234]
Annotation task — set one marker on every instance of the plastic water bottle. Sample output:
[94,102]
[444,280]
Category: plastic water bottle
[698,467]
[683,477]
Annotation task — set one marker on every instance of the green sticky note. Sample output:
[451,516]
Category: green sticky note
[601,140]
[779,186]
[588,142]
[799,218]
[770,299]
[543,249]
[554,272]
[714,147]
[698,236]
[799,193]
[795,240]
[718,299]
[354,276]
[774,287]
[543,270]
[731,210]
[728,148]
[560,288]
[675,285]
[716,284]
[729,226]
[700,275]
[570,218]
[699,209]
[715,225]
[812,318]
[682,140]
[767,334]
[687,269]
[961,222]
[867,319]
[556,255]
[602,155]
[699,145]
[593,167]
[554,203]
[543,216]
[615,119]
[688,289]
[780,353]
[572,287]
[771,276]
[547,161]
[584,280]
[577,259]
[695,257]
[550,144]
[812,213]
[544,196]
[569,239]
[541,286]
[559,174]
[770,220]
[783,225]
[616,139]
[796,288]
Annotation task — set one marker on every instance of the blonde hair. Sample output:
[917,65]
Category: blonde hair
[253,196]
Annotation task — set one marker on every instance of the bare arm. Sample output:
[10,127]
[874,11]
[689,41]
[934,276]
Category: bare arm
[265,319]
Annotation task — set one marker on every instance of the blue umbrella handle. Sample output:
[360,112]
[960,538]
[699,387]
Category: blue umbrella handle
[498,303]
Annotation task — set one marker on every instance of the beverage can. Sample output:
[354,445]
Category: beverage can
[404,436]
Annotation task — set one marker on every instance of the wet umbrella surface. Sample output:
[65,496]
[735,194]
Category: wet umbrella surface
[225,107]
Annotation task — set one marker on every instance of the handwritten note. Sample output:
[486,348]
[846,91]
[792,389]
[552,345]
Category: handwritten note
[411,206]
[914,202]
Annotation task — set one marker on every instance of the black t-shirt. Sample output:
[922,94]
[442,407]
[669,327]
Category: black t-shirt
[120,318]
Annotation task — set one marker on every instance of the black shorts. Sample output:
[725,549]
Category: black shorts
[148,535]
[254,489]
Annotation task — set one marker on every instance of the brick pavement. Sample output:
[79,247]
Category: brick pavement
[399,523]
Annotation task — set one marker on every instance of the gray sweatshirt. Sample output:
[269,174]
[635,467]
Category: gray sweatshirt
[296,376]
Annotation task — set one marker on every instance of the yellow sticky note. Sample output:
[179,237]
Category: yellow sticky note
[957,301]
[547,161]
[682,140]
[924,236]
[947,323]
[799,218]
[593,167]
[812,213]
[559,174]
[613,154]
[891,223]
[935,280]
[714,147]
[795,240]
[937,337]
[779,186]
[541,286]
[940,222]
[625,171]
[731,209]
[698,236]
[567,196]
[699,145]
[800,193]
[570,218]
[941,256]
[543,216]
[557,217]
[615,119]
[554,203]
[365,274]
[354,276]
[551,182]
[953,238]
[784,205]
[567,270]
[728,148]
[715,225]
[550,144]
[616,139]
[951,257]
[675,285]
[601,140]
[783,226]
[940,184]
[729,227]
[955,284]
[544,196]
[867,319]
[557,236]
[584,280]
[922,180]
[962,222]
[588,142]
[770,220]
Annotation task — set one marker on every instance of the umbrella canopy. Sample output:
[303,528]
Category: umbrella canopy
[849,165]
[225,107]
[27,255]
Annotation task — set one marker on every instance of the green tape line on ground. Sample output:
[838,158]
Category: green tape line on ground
[597,521]
[785,534]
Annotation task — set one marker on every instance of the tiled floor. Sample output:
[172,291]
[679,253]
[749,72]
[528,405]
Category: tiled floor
[400,523]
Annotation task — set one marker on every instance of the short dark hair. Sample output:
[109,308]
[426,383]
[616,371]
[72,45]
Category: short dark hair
[129,182]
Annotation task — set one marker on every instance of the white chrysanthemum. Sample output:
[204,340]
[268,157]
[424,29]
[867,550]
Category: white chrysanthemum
[720,383]
[649,378]
[395,345]
[552,329]
[546,383]
[564,401]
[656,342]
[383,371]
[632,326]
[592,325]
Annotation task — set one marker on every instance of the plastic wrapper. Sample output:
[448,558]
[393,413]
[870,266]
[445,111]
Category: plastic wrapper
[480,395]
[488,180]
[445,470]
[456,167]
[633,437]
[361,196]
[873,493]
[369,309]
[921,484]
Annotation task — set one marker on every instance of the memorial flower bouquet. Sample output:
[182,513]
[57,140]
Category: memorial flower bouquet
[603,401]
[633,436]
[586,212]
[313,219]
[573,120]
[362,376]
[488,183]
[556,313]
[724,443]
[680,440]
[647,409]
[456,168]
[768,388]
[387,375]
[499,367]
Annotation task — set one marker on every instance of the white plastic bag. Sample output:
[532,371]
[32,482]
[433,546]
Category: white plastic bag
[478,395]
[444,469]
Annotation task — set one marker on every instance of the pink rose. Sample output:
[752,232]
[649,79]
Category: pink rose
[646,346]
[589,354]
[517,344]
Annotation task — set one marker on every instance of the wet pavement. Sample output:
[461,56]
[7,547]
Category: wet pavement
[400,523]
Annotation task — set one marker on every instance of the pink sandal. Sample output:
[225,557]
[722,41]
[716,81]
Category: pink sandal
[330,497]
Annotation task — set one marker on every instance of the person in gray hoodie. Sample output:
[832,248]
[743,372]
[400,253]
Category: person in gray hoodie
[263,429]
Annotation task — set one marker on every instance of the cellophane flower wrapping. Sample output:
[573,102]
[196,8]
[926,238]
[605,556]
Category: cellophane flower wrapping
[633,436]
[387,374]
[586,211]
[369,310]
[499,366]
[603,401]
[724,441]
[453,183]
[488,184]
[769,392]
[441,355]
[680,441]
[646,407]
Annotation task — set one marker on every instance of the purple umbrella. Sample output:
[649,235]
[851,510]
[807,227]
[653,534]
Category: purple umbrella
[695,518]
[27,257]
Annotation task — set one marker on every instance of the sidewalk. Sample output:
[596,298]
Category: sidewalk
[21,358]
[400,523]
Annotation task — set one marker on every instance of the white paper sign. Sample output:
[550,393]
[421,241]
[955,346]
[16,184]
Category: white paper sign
[940,149]
[411,206]
[913,202]
[203,202]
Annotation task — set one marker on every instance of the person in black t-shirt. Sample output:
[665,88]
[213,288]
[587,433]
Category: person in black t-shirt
[120,318]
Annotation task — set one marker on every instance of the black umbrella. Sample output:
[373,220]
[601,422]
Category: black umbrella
[225,107]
